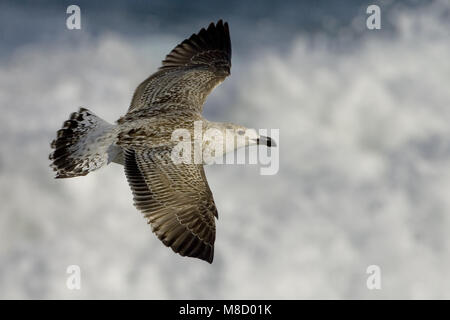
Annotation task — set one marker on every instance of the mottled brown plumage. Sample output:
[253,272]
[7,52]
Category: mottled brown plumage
[187,75]
[175,198]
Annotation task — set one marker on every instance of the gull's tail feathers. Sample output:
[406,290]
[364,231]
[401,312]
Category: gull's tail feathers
[85,143]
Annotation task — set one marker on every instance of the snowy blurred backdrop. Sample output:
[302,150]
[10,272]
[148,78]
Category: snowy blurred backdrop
[364,151]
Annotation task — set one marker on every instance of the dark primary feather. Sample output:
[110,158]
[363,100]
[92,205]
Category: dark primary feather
[206,47]
[187,75]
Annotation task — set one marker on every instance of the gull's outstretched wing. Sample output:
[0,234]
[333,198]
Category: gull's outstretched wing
[187,75]
[175,199]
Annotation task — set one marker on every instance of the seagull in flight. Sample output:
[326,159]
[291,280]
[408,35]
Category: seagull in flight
[175,198]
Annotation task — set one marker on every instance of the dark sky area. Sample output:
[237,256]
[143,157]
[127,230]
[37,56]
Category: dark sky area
[260,22]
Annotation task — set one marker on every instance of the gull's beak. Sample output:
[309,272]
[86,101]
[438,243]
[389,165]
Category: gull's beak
[266,141]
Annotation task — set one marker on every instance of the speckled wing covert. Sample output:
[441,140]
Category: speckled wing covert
[176,198]
[187,75]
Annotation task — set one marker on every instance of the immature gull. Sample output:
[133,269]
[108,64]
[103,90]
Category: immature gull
[174,197]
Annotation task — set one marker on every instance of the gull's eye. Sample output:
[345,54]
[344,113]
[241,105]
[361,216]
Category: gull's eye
[241,132]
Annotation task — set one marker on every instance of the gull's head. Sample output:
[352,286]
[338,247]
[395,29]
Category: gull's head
[240,136]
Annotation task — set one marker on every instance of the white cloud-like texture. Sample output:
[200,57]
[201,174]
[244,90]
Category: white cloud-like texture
[364,172]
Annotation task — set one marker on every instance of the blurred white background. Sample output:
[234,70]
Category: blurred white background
[364,152]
